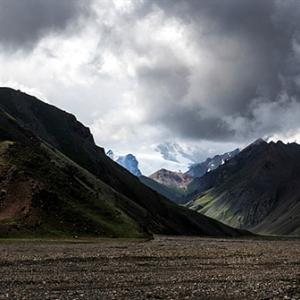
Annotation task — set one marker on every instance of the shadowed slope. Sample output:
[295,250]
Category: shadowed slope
[60,130]
[256,190]
[43,192]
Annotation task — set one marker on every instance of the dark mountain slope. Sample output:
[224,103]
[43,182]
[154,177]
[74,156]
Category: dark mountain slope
[61,131]
[256,190]
[43,192]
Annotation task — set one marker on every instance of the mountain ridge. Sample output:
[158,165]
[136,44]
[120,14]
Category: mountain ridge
[257,190]
[38,123]
[199,169]
[177,186]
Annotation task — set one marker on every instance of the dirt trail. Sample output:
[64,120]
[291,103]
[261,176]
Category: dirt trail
[165,268]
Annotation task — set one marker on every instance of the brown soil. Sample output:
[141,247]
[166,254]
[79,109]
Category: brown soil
[16,192]
[164,268]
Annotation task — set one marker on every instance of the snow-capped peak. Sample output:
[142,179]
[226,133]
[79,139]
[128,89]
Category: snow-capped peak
[128,161]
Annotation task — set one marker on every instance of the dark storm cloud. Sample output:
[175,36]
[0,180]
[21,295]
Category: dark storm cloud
[255,47]
[24,22]
[232,72]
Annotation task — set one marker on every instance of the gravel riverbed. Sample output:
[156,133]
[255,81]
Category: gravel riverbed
[163,268]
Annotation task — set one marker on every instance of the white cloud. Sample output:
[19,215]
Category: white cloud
[270,120]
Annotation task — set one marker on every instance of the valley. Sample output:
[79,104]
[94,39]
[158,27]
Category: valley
[162,268]
[56,181]
[256,189]
[149,149]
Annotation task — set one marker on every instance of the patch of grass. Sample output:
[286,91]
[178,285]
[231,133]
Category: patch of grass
[4,146]
[211,206]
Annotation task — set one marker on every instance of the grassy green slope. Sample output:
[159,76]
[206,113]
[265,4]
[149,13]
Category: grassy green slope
[261,193]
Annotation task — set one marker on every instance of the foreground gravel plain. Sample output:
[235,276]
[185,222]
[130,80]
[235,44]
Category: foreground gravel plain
[163,268]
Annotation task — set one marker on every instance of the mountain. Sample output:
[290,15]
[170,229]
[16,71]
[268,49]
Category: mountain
[199,169]
[176,185]
[257,190]
[44,193]
[55,180]
[176,180]
[172,185]
[130,163]
[110,154]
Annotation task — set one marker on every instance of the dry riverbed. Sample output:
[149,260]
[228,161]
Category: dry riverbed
[163,268]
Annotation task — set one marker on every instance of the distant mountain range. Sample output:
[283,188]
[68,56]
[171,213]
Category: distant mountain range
[129,162]
[55,181]
[175,185]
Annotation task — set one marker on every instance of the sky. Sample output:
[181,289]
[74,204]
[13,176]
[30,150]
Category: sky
[171,81]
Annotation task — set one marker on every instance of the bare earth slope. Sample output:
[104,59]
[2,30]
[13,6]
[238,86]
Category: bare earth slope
[172,179]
